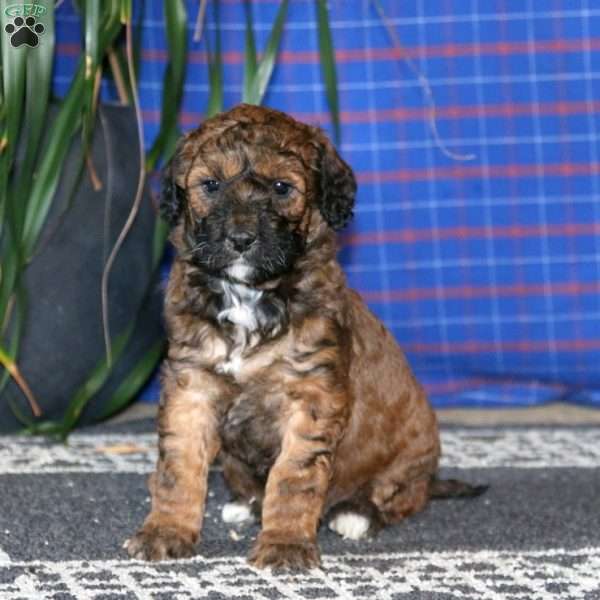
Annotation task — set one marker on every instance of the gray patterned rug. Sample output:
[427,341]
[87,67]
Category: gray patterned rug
[66,510]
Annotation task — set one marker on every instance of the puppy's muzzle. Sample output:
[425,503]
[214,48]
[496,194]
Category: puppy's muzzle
[241,227]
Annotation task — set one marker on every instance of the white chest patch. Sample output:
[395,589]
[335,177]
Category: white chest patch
[241,303]
[240,309]
[239,270]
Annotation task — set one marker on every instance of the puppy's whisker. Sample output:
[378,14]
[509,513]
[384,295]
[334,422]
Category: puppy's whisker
[193,251]
[281,258]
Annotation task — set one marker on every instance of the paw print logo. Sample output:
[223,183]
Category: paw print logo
[24,31]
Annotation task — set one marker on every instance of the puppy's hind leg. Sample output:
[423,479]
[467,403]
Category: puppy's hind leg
[399,501]
[388,502]
[396,501]
[355,519]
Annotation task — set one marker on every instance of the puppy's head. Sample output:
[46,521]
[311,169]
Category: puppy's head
[248,191]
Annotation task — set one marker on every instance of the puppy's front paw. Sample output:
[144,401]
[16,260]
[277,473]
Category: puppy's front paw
[296,556]
[159,543]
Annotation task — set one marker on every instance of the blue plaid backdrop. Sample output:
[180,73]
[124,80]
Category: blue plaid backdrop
[487,270]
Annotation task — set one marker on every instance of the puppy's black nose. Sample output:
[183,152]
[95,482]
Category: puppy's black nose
[241,240]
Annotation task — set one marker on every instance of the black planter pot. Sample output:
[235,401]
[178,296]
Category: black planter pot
[63,339]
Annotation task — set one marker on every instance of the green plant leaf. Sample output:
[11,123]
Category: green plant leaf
[11,366]
[38,84]
[249,54]
[95,381]
[13,83]
[91,66]
[47,428]
[18,241]
[13,331]
[176,30]
[215,69]
[63,128]
[111,22]
[11,265]
[92,33]
[266,64]
[126,9]
[134,381]
[328,67]
[171,144]
[30,71]
[23,418]
[13,87]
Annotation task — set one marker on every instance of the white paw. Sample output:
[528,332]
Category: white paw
[350,526]
[236,512]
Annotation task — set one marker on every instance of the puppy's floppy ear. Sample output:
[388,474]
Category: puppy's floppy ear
[337,188]
[172,197]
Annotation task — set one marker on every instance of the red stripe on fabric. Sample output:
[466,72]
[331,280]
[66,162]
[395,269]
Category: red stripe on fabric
[66,49]
[463,292]
[153,116]
[440,387]
[479,171]
[452,172]
[275,2]
[476,346]
[563,108]
[430,51]
[461,232]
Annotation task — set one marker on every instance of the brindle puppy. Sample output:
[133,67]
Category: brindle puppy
[273,362]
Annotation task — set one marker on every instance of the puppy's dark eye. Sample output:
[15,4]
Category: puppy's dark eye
[282,188]
[211,186]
